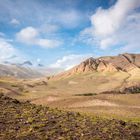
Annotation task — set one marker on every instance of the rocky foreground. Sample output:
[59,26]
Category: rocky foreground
[25,121]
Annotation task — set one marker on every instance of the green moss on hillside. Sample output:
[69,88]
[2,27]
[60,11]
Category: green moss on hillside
[22,121]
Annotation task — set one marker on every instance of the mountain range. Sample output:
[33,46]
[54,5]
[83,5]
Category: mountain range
[123,62]
[106,74]
[107,86]
[26,69]
[18,71]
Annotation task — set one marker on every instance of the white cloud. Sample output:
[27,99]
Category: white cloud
[46,43]
[6,50]
[31,36]
[108,21]
[69,18]
[2,34]
[49,28]
[62,13]
[106,42]
[27,35]
[114,26]
[15,21]
[9,53]
[69,61]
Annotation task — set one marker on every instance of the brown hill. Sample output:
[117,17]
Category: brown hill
[105,74]
[123,62]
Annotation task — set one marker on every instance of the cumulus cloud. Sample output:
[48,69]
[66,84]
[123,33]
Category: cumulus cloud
[31,36]
[15,21]
[69,61]
[27,35]
[117,25]
[57,12]
[108,21]
[107,42]
[9,53]
[46,43]
[6,50]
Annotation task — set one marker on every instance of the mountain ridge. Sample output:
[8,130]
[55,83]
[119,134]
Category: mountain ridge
[13,70]
[123,62]
[108,74]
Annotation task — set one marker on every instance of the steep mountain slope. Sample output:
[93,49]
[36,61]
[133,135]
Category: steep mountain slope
[122,62]
[125,61]
[110,73]
[22,121]
[18,71]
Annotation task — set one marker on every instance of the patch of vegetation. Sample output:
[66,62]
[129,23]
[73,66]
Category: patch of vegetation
[86,94]
[14,85]
[25,121]
[133,90]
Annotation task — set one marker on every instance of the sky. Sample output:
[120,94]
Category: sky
[62,33]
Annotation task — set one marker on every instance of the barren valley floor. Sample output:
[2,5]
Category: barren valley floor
[120,106]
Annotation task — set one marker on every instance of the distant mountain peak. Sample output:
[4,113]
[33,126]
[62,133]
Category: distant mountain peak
[26,63]
[40,65]
[123,62]
[18,71]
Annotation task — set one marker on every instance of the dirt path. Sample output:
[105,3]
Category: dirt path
[95,102]
[124,82]
[98,102]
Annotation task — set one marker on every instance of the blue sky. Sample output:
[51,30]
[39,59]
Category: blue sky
[62,33]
